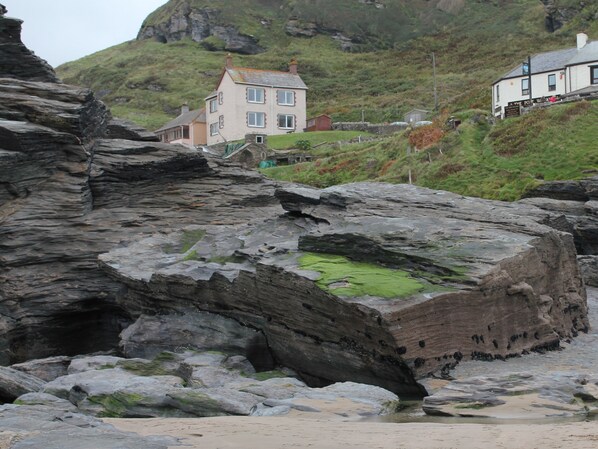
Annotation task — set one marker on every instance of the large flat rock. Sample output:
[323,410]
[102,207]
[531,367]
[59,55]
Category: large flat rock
[446,278]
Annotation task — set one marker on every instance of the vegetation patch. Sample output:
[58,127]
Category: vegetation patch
[265,375]
[116,405]
[343,277]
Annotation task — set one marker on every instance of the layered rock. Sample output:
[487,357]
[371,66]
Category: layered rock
[12,49]
[482,280]
[200,24]
[69,191]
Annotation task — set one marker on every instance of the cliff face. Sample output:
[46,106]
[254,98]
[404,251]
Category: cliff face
[70,191]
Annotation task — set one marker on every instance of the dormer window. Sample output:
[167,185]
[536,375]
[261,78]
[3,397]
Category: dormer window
[255,95]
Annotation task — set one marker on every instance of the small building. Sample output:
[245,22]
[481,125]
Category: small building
[320,123]
[249,101]
[189,128]
[250,153]
[547,77]
[416,115]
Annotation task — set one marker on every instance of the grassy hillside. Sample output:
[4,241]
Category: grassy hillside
[498,162]
[146,81]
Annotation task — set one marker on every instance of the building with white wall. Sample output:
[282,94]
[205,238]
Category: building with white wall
[548,76]
[255,101]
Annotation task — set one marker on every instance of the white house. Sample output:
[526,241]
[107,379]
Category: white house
[552,74]
[255,101]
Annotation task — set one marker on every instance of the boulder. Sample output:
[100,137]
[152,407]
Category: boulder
[123,129]
[46,400]
[63,429]
[150,335]
[46,369]
[14,383]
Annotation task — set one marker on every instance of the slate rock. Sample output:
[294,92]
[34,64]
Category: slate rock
[29,427]
[14,383]
[588,266]
[46,369]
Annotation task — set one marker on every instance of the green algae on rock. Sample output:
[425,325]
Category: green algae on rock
[343,277]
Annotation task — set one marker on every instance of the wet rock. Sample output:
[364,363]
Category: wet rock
[517,396]
[14,383]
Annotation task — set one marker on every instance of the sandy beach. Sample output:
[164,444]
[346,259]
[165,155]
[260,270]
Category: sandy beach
[301,433]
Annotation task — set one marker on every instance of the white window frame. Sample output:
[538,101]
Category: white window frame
[256,95]
[213,105]
[593,74]
[552,87]
[497,93]
[214,129]
[286,117]
[253,119]
[282,97]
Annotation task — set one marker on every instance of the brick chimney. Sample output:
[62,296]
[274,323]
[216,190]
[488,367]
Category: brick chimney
[184,108]
[293,66]
[582,40]
[229,61]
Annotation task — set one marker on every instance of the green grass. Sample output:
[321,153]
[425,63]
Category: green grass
[497,162]
[146,81]
[285,141]
[342,277]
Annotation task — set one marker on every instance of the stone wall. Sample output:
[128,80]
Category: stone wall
[374,128]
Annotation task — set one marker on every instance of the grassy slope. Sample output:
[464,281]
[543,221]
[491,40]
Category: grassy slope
[146,81]
[497,162]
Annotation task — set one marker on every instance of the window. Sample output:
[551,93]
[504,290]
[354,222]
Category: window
[286,121]
[256,119]
[497,92]
[213,105]
[220,97]
[185,132]
[213,129]
[255,95]
[286,97]
[259,139]
[594,74]
[525,86]
[551,82]
[221,122]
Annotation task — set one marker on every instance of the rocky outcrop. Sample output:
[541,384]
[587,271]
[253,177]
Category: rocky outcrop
[195,384]
[577,202]
[199,25]
[559,14]
[517,396]
[69,191]
[482,280]
[63,429]
[12,49]
[589,269]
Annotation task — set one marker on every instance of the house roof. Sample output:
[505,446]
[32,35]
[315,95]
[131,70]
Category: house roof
[197,115]
[557,60]
[265,78]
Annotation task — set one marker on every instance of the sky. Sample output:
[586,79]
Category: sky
[64,30]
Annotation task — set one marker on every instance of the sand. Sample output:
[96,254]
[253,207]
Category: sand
[300,432]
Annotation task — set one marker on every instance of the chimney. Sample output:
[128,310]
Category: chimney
[184,108]
[582,40]
[229,61]
[293,66]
